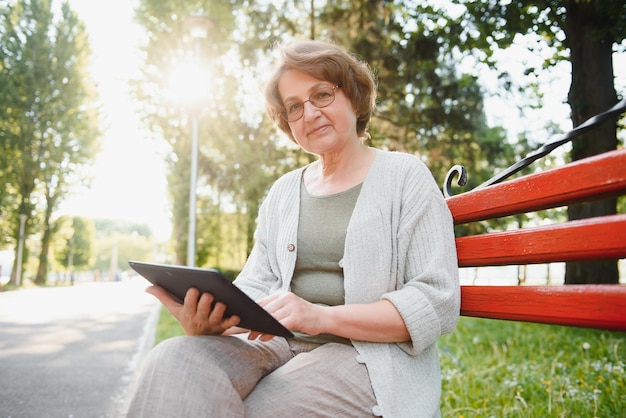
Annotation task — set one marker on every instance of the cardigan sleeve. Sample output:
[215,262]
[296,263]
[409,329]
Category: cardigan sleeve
[428,292]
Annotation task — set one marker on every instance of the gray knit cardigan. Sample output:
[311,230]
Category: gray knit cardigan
[400,247]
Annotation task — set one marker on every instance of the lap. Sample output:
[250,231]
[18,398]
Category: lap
[244,362]
[279,378]
[326,381]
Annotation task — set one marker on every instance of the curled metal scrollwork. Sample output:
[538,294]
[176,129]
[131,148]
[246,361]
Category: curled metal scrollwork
[589,124]
[461,172]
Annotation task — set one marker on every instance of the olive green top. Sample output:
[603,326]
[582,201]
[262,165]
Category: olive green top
[318,276]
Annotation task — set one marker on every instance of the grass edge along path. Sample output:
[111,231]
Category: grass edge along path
[494,368]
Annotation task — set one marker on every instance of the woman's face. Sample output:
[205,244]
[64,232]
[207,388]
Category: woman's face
[319,130]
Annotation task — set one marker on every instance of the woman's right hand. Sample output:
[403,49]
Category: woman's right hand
[195,314]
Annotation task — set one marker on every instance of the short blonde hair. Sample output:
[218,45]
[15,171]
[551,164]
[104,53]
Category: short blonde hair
[327,62]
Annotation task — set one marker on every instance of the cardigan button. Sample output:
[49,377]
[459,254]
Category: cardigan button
[377,411]
[291,248]
[360,359]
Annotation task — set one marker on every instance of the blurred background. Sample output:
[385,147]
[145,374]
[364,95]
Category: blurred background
[135,129]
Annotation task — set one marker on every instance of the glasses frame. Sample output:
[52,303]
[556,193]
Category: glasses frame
[283,112]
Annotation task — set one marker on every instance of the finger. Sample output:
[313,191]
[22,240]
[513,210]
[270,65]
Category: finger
[218,311]
[280,302]
[253,335]
[190,304]
[230,322]
[164,297]
[204,305]
[271,298]
[217,316]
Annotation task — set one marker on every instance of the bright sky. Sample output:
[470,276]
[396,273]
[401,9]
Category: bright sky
[129,174]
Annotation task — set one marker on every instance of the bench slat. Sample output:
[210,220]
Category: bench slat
[588,239]
[599,176]
[596,306]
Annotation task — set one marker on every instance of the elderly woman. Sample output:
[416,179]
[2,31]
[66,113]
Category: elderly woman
[354,253]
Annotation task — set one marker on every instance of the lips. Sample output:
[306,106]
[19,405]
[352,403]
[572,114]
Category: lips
[318,130]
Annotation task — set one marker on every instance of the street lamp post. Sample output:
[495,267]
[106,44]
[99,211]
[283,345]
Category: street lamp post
[193,180]
[199,29]
[20,250]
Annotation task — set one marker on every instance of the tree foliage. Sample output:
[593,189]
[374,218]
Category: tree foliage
[73,243]
[48,120]
[427,104]
[585,32]
[238,153]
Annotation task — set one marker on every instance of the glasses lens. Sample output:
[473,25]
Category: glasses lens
[293,111]
[320,98]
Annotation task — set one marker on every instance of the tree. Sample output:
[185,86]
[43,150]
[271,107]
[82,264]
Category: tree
[425,105]
[586,32]
[170,44]
[72,243]
[233,133]
[116,243]
[72,128]
[21,42]
[48,117]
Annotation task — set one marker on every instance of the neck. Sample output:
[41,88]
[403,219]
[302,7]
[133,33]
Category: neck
[339,171]
[341,163]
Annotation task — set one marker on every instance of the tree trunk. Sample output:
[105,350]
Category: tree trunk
[42,270]
[25,208]
[592,91]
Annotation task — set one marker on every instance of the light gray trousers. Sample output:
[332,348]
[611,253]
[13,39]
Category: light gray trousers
[225,377]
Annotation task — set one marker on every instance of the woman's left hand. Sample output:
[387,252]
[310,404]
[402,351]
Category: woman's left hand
[293,312]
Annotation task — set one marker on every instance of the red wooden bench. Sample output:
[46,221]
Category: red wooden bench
[596,306]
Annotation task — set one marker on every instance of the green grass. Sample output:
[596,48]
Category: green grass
[167,326]
[510,369]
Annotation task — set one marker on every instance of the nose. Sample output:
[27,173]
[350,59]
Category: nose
[309,110]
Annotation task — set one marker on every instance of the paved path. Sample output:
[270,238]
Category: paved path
[73,351]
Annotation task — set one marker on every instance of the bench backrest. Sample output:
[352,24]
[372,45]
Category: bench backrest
[598,306]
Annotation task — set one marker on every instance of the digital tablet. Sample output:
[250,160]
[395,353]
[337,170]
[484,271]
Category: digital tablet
[178,279]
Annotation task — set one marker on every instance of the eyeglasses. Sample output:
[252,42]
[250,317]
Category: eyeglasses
[320,98]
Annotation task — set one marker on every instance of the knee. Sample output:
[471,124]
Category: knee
[192,351]
[172,351]
[170,345]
